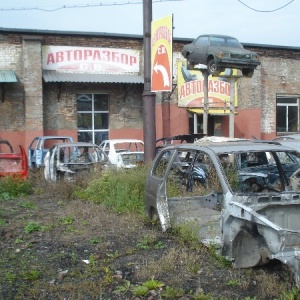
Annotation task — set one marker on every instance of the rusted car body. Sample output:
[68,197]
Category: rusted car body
[241,196]
[11,163]
[39,147]
[65,161]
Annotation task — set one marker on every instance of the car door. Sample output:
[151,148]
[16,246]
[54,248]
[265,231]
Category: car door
[188,191]
[53,154]
[32,152]
[155,196]
[199,54]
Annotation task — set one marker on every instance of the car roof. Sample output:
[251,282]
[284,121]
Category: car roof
[292,143]
[218,35]
[114,141]
[289,137]
[53,137]
[76,144]
[232,146]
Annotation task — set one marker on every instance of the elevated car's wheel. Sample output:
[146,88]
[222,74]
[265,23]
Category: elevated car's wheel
[212,68]
[189,63]
[248,72]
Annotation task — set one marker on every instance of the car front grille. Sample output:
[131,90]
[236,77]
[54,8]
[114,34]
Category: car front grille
[240,56]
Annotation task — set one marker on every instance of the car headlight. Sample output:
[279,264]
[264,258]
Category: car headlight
[220,54]
[223,55]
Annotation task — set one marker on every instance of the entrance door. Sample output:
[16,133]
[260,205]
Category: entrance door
[214,125]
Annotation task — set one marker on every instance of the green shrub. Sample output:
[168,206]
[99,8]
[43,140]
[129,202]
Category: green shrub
[119,189]
[32,227]
[12,187]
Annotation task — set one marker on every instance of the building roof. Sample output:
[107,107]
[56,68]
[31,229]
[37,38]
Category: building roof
[128,36]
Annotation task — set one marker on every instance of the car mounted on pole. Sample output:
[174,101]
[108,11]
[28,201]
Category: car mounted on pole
[219,52]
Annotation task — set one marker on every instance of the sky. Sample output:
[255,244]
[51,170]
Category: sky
[267,22]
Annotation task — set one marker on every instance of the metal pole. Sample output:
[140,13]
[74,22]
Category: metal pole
[206,105]
[231,114]
[195,123]
[148,96]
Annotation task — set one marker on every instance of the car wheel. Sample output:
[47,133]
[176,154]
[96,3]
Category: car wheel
[212,68]
[189,64]
[248,72]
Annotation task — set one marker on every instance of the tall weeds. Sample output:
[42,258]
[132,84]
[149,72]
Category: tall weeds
[122,190]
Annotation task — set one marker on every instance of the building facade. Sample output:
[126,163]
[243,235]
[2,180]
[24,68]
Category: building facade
[90,86]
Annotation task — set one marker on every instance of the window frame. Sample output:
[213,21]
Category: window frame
[287,106]
[93,112]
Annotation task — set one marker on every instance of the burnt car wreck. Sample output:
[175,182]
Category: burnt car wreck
[65,161]
[242,197]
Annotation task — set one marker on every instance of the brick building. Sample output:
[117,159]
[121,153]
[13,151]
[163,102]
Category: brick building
[90,86]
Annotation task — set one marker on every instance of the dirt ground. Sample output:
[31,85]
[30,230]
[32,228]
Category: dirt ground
[55,248]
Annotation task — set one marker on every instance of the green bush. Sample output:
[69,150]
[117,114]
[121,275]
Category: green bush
[122,190]
[12,187]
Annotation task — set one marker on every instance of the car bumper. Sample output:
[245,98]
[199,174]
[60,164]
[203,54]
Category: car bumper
[229,63]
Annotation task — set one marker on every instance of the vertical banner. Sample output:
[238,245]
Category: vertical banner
[162,54]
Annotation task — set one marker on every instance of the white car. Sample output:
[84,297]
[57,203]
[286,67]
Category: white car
[124,153]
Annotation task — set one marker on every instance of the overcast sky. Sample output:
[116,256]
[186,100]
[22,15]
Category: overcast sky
[270,22]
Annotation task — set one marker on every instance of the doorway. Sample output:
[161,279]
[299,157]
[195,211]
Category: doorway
[214,125]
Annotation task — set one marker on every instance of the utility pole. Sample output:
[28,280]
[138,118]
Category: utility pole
[206,103]
[148,96]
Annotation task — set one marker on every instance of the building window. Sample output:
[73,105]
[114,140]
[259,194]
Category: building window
[287,114]
[92,118]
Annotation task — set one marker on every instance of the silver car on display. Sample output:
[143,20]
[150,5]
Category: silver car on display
[219,52]
[65,161]
[241,196]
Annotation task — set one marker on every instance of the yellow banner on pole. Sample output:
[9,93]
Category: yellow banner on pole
[162,54]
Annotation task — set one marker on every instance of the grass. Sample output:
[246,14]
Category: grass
[12,187]
[45,250]
[33,227]
[120,190]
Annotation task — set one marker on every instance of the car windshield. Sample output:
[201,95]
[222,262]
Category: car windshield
[223,41]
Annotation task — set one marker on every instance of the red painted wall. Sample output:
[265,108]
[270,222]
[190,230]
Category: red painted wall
[171,120]
[248,123]
[24,139]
